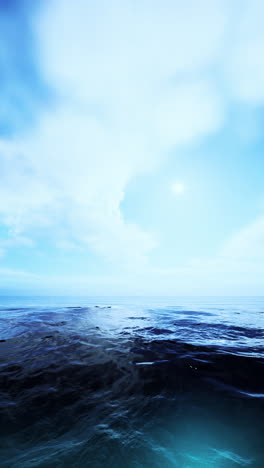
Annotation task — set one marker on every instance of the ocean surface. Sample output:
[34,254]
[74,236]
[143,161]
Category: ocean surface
[131,382]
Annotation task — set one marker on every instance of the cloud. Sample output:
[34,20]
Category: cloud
[14,241]
[187,112]
[245,64]
[119,111]
[236,268]
[116,47]
[247,244]
[133,80]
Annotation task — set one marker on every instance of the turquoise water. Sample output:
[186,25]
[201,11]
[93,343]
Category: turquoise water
[131,382]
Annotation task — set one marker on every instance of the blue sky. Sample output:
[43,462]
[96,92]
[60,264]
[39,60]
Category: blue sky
[131,147]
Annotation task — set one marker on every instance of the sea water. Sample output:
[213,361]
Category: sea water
[131,382]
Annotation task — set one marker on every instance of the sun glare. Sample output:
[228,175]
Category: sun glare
[178,188]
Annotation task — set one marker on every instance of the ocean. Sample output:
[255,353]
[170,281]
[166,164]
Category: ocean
[131,382]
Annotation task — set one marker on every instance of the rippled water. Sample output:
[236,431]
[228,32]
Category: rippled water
[147,382]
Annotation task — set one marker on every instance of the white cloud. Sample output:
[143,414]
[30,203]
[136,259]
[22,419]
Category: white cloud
[188,111]
[237,268]
[247,244]
[134,79]
[119,111]
[245,64]
[119,46]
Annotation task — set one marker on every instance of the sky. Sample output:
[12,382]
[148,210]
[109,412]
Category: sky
[131,147]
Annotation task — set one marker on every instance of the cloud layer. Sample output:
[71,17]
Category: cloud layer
[133,81]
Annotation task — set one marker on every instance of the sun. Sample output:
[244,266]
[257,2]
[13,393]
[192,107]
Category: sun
[178,188]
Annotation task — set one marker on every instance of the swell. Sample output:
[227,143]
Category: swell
[57,372]
[80,389]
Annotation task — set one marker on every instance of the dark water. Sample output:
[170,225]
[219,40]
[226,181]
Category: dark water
[169,382]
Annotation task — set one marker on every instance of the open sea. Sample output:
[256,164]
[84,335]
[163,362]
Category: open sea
[131,382]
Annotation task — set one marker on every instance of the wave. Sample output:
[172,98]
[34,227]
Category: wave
[87,386]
